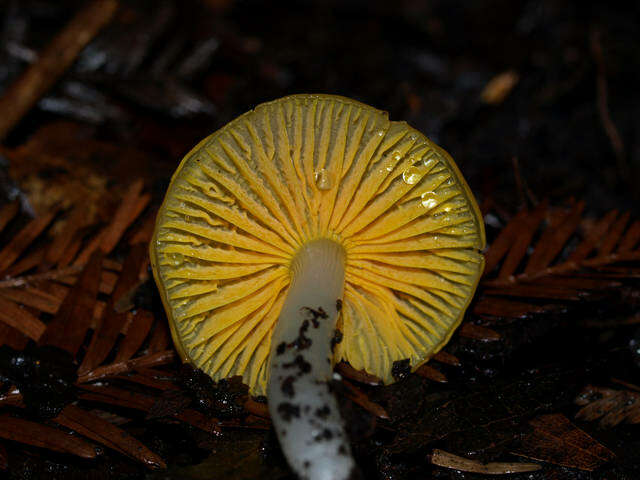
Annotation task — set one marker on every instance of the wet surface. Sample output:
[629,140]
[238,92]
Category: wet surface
[45,377]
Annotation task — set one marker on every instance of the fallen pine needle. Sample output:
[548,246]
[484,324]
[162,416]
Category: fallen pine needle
[454,462]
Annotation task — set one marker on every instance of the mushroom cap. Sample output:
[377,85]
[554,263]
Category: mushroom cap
[303,167]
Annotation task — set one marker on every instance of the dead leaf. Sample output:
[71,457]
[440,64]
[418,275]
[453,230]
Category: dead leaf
[556,440]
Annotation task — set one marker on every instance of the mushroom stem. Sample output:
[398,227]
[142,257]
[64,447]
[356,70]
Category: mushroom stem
[303,409]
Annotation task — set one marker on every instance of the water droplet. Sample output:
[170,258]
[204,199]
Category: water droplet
[397,156]
[380,133]
[175,258]
[429,162]
[411,175]
[389,167]
[323,179]
[429,200]
[413,137]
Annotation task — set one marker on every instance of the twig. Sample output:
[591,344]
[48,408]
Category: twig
[160,358]
[454,462]
[37,277]
[53,62]
[524,192]
[603,107]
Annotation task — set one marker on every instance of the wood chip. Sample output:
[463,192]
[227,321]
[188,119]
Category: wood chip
[499,87]
[39,435]
[556,440]
[455,462]
[69,327]
[101,431]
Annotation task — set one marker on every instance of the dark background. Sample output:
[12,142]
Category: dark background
[164,74]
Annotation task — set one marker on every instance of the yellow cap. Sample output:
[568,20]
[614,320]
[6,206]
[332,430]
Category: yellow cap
[300,168]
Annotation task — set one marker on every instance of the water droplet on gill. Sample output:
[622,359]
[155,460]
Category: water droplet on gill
[380,133]
[429,161]
[429,200]
[413,137]
[175,258]
[411,175]
[323,179]
[397,156]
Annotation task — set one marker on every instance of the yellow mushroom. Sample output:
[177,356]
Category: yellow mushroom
[307,231]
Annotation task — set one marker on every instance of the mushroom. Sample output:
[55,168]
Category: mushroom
[308,231]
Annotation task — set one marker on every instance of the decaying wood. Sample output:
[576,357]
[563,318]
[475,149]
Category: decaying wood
[18,99]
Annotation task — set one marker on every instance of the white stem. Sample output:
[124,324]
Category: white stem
[303,409]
